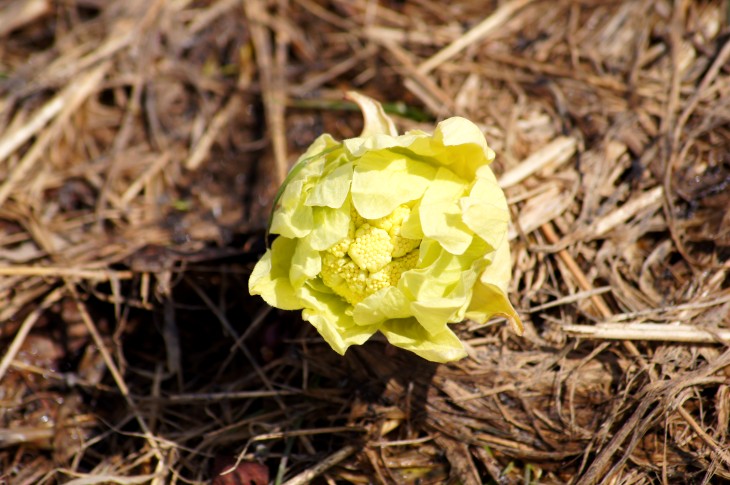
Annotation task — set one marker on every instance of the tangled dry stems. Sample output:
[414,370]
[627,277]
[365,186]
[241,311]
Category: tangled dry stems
[141,144]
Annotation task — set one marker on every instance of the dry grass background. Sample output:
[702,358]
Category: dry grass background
[141,143]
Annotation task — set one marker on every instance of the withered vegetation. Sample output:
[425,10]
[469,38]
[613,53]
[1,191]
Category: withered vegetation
[141,143]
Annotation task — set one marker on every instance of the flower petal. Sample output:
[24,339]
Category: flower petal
[306,263]
[330,225]
[441,216]
[440,287]
[490,292]
[332,188]
[292,219]
[408,334]
[329,314]
[382,181]
[434,314]
[359,146]
[324,143]
[270,276]
[411,227]
[485,211]
[382,305]
[439,272]
[376,121]
[465,144]
[499,270]
[489,301]
[312,162]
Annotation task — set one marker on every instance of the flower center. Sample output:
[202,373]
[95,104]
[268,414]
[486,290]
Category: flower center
[373,256]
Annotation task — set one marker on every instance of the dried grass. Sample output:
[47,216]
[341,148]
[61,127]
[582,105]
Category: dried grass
[140,146]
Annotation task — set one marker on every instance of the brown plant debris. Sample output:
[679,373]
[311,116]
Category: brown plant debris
[141,143]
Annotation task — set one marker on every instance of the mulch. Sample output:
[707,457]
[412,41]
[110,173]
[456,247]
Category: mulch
[142,142]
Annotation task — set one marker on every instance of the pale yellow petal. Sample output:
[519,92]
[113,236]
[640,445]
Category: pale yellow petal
[330,226]
[485,211]
[490,292]
[332,188]
[465,147]
[329,314]
[292,219]
[376,120]
[408,334]
[385,304]
[270,276]
[382,181]
[440,214]
[306,263]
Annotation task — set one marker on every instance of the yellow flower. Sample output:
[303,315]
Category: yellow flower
[401,234]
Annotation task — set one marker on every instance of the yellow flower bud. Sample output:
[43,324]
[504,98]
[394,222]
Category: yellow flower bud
[401,234]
